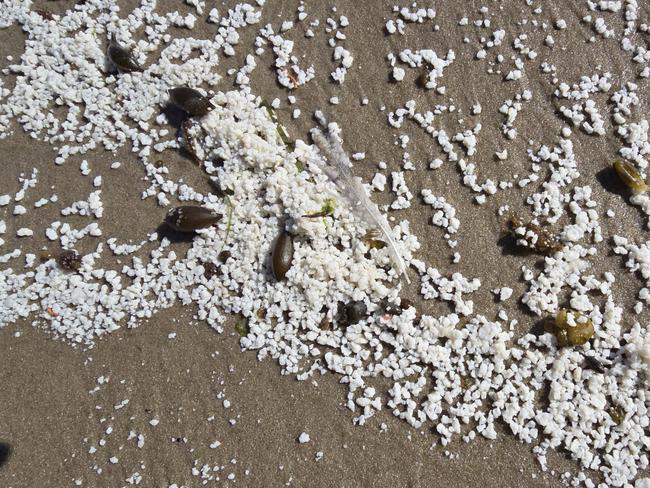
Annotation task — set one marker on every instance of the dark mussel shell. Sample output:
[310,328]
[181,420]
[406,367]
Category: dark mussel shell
[122,58]
[188,218]
[190,100]
[282,255]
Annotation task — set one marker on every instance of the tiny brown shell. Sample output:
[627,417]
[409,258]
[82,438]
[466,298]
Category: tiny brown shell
[282,255]
[188,218]
[122,58]
[190,100]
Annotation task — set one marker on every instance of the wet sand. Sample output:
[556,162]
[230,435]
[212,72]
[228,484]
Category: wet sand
[49,415]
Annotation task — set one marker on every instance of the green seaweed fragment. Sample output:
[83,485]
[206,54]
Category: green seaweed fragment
[326,210]
[282,132]
[231,207]
[241,327]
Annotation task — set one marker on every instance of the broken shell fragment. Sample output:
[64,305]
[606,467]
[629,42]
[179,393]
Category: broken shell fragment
[190,100]
[122,58]
[188,218]
[282,255]
[630,176]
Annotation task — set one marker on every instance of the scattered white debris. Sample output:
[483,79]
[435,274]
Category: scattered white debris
[429,60]
[461,372]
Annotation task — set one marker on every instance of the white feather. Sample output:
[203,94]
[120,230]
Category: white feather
[336,165]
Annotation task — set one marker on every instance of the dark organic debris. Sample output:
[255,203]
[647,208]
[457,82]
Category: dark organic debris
[241,326]
[69,260]
[210,270]
[617,414]
[534,236]
[46,14]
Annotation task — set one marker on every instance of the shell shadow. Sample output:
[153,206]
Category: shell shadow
[5,453]
[540,327]
[509,247]
[174,115]
[611,182]
[165,231]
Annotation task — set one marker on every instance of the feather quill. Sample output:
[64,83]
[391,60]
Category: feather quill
[336,165]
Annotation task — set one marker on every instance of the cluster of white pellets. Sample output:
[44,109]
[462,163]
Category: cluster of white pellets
[462,373]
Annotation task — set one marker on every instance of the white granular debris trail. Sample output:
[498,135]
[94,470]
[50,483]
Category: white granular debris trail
[461,372]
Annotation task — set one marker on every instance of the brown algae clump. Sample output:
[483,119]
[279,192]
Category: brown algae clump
[571,328]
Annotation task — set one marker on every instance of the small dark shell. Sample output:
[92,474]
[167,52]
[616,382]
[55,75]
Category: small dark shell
[594,364]
[617,414]
[353,312]
[325,324]
[69,260]
[282,255]
[190,100]
[189,218]
[122,58]
[45,256]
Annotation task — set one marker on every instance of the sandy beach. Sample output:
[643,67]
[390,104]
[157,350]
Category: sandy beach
[80,413]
